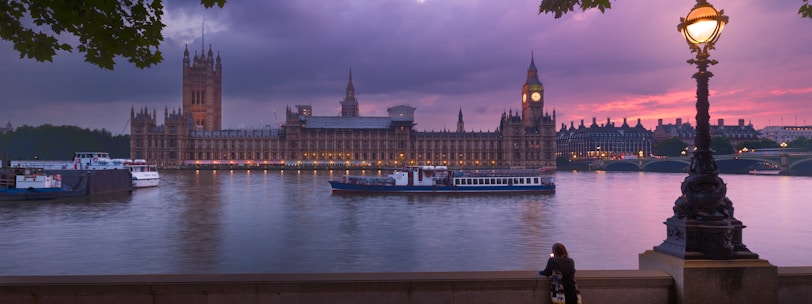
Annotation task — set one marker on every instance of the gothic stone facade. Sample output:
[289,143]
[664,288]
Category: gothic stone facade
[186,137]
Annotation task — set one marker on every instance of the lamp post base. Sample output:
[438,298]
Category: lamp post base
[695,240]
[714,281]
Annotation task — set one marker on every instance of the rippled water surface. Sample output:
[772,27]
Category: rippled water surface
[263,222]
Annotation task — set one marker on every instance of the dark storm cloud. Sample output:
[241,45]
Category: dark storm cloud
[437,55]
[397,44]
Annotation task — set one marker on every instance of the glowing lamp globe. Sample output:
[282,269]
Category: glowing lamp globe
[703,25]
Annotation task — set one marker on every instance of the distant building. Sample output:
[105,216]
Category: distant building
[786,134]
[736,134]
[684,131]
[603,141]
[8,128]
[191,136]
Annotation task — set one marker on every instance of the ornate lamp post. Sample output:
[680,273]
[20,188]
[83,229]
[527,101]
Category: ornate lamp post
[703,226]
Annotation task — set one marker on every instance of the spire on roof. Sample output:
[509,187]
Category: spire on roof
[350,89]
[532,61]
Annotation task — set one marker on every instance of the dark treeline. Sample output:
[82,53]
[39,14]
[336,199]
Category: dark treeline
[49,142]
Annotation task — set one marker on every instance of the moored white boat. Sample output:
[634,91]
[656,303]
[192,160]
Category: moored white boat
[438,179]
[144,175]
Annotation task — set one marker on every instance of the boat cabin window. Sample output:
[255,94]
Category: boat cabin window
[535,180]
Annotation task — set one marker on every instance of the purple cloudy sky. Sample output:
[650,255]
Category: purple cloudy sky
[439,56]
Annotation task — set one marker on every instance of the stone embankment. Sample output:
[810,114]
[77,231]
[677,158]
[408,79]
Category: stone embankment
[597,286]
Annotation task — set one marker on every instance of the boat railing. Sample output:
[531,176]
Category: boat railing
[42,164]
[500,173]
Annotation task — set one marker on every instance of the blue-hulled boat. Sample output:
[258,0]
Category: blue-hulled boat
[438,179]
[25,184]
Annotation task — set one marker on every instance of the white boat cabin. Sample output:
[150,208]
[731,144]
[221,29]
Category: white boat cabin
[95,160]
[420,176]
[38,180]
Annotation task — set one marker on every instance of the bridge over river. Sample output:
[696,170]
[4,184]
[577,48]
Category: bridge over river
[796,163]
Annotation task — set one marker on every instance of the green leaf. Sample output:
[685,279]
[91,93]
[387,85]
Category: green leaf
[806,10]
[104,29]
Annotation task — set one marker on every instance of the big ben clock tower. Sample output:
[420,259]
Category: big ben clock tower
[532,97]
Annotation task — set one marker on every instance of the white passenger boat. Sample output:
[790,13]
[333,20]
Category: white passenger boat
[438,179]
[765,168]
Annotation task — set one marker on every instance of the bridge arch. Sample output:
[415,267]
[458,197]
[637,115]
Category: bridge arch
[801,166]
[668,165]
[623,165]
[790,163]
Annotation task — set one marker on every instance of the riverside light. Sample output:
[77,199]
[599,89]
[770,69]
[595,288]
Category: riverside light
[703,25]
[703,226]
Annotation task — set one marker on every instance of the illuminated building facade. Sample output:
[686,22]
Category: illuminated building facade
[786,134]
[525,139]
[605,141]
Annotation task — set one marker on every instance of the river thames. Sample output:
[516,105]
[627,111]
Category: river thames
[289,222]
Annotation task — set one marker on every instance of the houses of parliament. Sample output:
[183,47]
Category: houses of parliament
[191,136]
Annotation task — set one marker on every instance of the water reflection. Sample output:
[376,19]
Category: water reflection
[198,236]
[269,221]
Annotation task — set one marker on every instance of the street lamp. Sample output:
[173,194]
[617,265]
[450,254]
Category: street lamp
[703,226]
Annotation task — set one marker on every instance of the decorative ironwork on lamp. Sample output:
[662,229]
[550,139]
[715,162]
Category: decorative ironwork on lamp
[703,226]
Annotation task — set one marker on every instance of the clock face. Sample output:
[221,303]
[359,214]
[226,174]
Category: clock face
[536,96]
[524,97]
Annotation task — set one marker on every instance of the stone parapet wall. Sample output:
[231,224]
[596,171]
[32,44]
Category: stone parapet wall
[794,285]
[631,286]
[597,286]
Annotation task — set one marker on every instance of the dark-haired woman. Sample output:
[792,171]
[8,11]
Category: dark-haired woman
[561,270]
